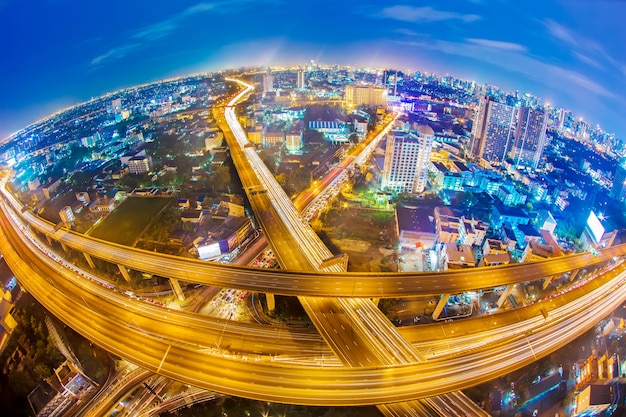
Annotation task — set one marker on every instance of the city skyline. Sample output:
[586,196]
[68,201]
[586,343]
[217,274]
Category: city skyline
[63,53]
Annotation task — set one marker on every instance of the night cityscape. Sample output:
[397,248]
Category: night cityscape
[418,210]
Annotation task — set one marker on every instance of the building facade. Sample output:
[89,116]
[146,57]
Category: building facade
[366,95]
[140,165]
[493,130]
[618,190]
[407,157]
[530,137]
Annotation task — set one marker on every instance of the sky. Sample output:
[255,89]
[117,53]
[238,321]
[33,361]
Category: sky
[57,53]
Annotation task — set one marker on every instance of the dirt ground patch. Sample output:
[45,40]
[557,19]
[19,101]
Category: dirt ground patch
[352,245]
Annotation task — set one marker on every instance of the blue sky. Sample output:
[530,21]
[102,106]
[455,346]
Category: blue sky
[61,52]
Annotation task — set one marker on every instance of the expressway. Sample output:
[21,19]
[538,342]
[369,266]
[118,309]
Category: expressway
[322,284]
[513,346]
[211,353]
[358,333]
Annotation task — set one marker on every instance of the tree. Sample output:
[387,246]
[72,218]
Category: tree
[221,178]
[79,153]
[42,370]
[299,179]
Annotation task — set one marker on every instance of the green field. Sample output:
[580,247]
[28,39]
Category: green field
[126,223]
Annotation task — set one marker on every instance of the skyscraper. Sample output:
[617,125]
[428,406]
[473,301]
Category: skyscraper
[493,130]
[619,181]
[268,82]
[530,137]
[406,160]
[301,79]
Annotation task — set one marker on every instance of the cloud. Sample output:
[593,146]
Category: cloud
[407,32]
[164,28]
[423,14]
[559,31]
[582,48]
[517,61]
[115,53]
[506,46]
[587,60]
[156,31]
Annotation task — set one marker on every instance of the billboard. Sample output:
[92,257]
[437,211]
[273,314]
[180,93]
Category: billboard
[209,251]
[595,227]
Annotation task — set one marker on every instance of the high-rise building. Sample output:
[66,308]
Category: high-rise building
[530,137]
[366,95]
[407,156]
[301,79]
[619,181]
[268,82]
[562,115]
[493,130]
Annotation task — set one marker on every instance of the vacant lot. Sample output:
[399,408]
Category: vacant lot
[126,223]
[364,235]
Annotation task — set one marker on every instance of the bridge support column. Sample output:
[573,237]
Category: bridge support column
[573,275]
[547,281]
[49,239]
[440,305]
[505,294]
[64,246]
[339,259]
[177,289]
[375,301]
[124,272]
[89,260]
[271,301]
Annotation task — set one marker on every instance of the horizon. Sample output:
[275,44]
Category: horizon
[65,53]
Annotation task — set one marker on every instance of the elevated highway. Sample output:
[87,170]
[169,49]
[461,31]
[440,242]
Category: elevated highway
[319,284]
[170,348]
[466,360]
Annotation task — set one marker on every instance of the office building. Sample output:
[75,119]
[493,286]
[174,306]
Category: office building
[407,157]
[268,82]
[366,95]
[619,181]
[301,79]
[530,137]
[140,165]
[493,130]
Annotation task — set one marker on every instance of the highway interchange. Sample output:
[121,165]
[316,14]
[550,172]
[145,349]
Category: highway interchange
[251,360]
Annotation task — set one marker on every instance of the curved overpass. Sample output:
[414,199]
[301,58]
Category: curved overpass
[304,283]
[187,352]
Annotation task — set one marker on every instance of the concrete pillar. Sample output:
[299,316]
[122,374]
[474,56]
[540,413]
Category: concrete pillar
[505,294]
[547,281]
[177,289]
[440,305]
[271,302]
[49,239]
[89,260]
[124,272]
[339,259]
[64,246]
[573,274]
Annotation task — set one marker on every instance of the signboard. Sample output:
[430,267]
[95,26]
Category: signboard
[209,251]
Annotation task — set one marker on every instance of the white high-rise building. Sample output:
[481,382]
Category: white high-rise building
[268,82]
[407,156]
[301,79]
